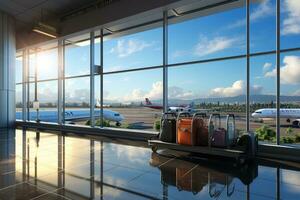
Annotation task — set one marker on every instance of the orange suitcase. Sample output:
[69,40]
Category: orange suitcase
[184,128]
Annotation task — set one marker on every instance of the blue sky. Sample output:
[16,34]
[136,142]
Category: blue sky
[221,34]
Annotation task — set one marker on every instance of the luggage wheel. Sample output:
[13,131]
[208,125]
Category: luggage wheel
[154,148]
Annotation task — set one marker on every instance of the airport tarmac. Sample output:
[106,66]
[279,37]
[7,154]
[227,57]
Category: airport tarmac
[148,116]
[143,118]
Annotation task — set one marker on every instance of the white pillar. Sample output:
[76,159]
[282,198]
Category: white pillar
[7,71]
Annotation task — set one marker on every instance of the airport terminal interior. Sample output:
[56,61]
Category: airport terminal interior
[131,99]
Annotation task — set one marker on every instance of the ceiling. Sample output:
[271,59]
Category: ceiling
[28,12]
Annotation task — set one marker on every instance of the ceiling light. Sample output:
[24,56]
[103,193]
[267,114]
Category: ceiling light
[45,29]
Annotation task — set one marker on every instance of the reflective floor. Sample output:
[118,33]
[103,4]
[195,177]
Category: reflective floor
[50,166]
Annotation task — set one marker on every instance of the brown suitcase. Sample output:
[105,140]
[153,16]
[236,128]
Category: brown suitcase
[200,129]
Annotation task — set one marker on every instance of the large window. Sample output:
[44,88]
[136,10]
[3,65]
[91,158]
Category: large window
[143,49]
[124,99]
[262,26]
[290,97]
[19,89]
[263,97]
[210,87]
[207,36]
[204,50]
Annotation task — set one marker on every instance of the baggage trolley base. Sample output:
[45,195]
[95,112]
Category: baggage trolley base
[239,156]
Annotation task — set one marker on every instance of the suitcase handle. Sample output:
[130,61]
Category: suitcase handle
[229,116]
[183,114]
[198,114]
[166,114]
[212,128]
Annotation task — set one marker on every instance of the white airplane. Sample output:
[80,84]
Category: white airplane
[188,108]
[290,114]
[71,115]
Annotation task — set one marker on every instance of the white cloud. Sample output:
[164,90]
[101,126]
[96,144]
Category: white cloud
[208,46]
[155,92]
[290,72]
[179,93]
[179,53]
[267,66]
[125,48]
[291,24]
[264,9]
[234,90]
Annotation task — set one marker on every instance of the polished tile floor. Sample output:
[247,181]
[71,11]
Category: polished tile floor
[42,165]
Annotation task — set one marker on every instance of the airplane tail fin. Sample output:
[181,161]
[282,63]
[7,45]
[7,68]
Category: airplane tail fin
[148,102]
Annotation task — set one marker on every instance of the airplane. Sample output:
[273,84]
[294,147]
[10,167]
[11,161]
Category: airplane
[71,115]
[290,114]
[187,108]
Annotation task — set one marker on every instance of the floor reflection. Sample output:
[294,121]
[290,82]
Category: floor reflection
[52,166]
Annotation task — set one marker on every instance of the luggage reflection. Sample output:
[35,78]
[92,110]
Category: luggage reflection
[192,176]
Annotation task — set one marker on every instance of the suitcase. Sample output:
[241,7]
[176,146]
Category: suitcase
[200,129]
[191,180]
[217,135]
[184,128]
[217,182]
[183,179]
[231,135]
[218,138]
[168,128]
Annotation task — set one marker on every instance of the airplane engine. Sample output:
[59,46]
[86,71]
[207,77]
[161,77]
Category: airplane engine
[296,123]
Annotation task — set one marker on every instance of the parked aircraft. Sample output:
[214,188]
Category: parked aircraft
[187,108]
[290,114]
[71,115]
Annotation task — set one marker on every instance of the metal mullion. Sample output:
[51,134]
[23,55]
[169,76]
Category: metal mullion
[63,83]
[248,65]
[101,78]
[60,68]
[165,61]
[278,72]
[28,85]
[92,79]
[133,70]
[24,73]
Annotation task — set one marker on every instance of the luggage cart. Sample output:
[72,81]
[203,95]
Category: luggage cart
[240,155]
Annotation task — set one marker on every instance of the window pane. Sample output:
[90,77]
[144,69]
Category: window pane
[209,87]
[143,49]
[290,24]
[262,25]
[263,97]
[19,102]
[207,36]
[47,96]
[77,56]
[47,63]
[77,98]
[290,98]
[19,69]
[124,96]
